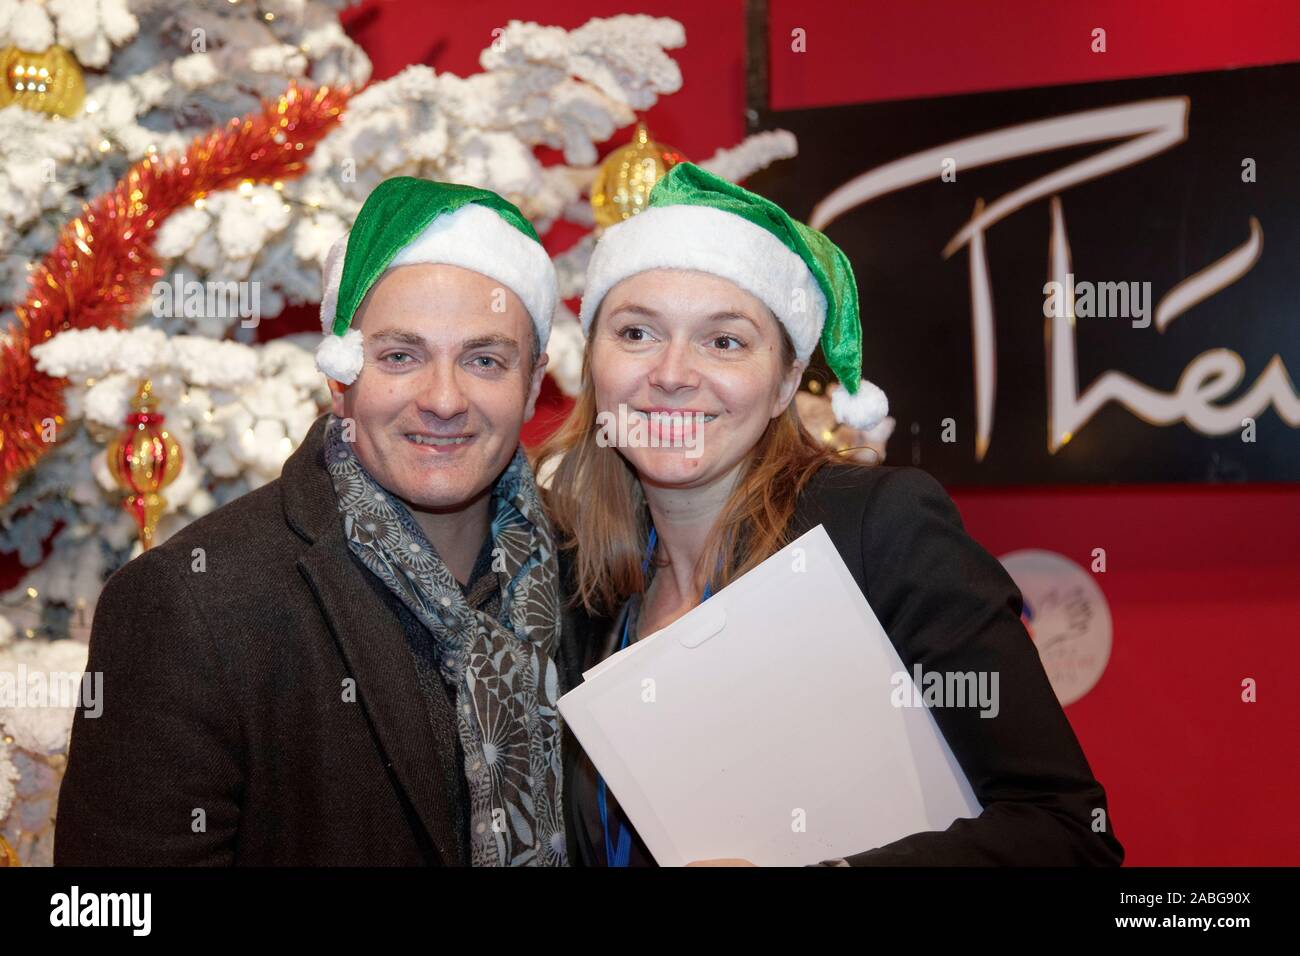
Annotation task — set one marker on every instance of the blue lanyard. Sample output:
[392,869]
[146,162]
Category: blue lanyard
[619,856]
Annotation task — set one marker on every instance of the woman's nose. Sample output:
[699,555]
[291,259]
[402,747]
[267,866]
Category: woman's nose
[674,368]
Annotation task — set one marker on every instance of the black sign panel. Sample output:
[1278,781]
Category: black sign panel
[1166,211]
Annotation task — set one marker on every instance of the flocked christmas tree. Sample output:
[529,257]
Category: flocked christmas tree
[126,105]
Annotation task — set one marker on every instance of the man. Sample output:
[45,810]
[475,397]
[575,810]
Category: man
[355,663]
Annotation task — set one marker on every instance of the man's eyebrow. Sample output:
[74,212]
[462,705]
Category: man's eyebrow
[401,336]
[486,341]
[407,337]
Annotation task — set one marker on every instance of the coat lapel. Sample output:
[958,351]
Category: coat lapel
[370,638]
[373,645]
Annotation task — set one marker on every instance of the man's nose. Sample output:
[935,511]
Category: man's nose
[674,367]
[441,392]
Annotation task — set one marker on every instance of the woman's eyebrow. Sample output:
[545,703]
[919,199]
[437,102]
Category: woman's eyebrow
[649,313]
[726,315]
[635,310]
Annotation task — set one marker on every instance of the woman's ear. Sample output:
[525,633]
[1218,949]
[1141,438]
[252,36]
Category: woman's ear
[789,385]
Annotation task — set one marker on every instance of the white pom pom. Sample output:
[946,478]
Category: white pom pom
[341,356]
[864,410]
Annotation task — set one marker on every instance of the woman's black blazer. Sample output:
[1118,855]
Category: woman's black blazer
[948,604]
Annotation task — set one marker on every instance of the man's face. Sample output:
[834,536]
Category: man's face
[446,384]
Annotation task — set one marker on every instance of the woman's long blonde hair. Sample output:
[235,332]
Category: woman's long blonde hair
[599,510]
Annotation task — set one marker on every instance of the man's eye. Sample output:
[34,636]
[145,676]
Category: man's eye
[396,358]
[486,362]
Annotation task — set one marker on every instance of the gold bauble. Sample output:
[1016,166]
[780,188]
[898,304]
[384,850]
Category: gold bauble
[49,82]
[623,182]
[143,460]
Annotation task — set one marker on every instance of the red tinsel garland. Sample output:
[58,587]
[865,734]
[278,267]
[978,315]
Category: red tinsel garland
[103,263]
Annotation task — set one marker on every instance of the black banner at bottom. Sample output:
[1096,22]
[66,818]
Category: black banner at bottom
[811,905]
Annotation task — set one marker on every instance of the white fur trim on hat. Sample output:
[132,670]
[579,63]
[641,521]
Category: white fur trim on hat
[704,239]
[340,357]
[863,410]
[332,277]
[474,237]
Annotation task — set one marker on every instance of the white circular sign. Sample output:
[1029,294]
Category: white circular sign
[1067,615]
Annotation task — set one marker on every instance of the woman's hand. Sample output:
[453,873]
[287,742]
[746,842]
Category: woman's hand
[726,862]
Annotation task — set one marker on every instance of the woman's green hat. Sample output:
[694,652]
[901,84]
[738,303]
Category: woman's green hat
[698,221]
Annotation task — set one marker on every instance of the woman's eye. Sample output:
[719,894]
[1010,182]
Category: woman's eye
[633,333]
[727,343]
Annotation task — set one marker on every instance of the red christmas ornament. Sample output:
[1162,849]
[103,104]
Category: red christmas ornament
[103,263]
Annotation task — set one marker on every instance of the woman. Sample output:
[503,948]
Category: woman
[701,314]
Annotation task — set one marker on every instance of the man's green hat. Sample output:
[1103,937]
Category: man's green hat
[406,221]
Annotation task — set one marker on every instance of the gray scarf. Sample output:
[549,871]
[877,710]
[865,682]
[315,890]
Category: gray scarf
[506,681]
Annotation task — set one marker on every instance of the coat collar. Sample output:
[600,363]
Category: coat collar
[307,492]
[372,642]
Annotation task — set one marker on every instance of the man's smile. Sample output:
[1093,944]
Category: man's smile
[438,444]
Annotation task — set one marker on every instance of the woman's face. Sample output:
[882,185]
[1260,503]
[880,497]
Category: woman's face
[687,370]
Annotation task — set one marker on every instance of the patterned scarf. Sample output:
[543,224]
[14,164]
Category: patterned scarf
[506,681]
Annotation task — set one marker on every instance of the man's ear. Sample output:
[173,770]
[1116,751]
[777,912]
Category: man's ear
[337,391]
[789,385]
[535,386]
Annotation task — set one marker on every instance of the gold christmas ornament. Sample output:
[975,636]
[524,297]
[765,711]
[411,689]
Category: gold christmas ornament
[144,460]
[623,182]
[8,855]
[817,416]
[49,82]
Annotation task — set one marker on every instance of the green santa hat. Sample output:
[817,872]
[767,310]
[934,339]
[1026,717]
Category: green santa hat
[698,221]
[406,221]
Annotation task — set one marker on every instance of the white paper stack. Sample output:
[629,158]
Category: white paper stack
[764,724]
